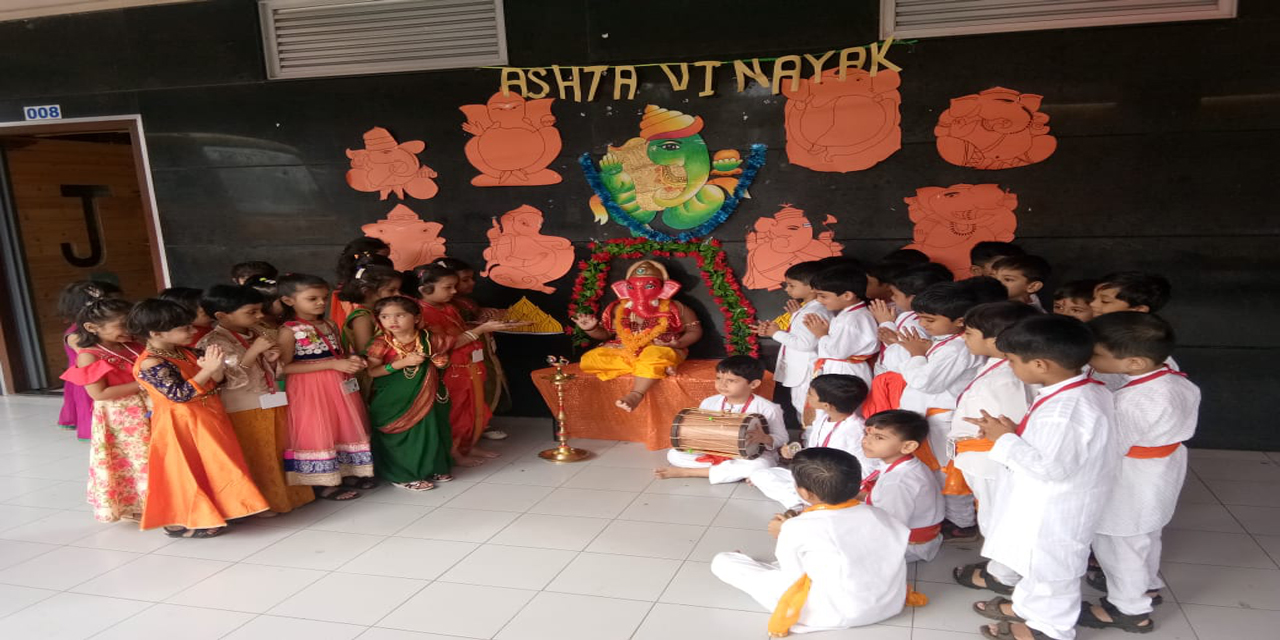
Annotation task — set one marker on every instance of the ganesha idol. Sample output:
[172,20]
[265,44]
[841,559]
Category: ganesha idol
[651,333]
[996,129]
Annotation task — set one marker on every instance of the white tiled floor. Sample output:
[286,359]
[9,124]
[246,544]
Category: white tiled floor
[524,550]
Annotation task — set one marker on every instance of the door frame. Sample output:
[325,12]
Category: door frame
[131,123]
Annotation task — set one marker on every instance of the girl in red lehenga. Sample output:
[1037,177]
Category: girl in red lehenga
[465,377]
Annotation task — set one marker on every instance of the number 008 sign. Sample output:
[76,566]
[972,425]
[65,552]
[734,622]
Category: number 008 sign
[42,112]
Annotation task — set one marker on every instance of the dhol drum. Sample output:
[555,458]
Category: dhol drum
[717,433]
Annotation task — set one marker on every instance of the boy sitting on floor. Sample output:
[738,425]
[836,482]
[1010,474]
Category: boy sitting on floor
[737,378]
[840,563]
[836,424]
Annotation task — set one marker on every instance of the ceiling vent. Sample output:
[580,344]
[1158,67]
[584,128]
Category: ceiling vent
[317,38]
[933,18]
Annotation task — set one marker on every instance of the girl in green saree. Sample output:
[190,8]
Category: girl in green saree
[410,407]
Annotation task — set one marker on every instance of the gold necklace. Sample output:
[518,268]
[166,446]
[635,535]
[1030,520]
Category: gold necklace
[172,354]
[402,351]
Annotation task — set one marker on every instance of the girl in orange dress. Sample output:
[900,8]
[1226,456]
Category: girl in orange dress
[496,393]
[465,376]
[198,478]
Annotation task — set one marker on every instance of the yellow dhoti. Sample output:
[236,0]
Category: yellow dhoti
[608,363]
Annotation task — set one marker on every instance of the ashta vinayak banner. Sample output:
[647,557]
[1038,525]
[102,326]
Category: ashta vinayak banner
[583,84]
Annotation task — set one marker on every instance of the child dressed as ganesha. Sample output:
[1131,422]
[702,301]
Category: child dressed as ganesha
[653,332]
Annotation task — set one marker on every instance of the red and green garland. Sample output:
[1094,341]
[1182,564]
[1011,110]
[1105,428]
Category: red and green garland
[593,276]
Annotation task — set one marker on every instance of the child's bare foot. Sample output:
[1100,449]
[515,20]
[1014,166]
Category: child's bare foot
[468,461]
[484,453]
[674,472]
[630,401]
[671,371]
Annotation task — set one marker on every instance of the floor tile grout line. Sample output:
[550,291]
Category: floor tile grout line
[1246,530]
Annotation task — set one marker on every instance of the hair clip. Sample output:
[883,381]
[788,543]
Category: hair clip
[359,272]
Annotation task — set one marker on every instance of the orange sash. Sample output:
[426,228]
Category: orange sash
[787,613]
[1145,453]
[818,364]
[886,393]
[970,445]
[921,535]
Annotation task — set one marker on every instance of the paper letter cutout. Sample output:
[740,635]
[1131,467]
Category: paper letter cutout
[574,82]
[536,77]
[950,220]
[842,126]
[783,240]
[520,257]
[412,240]
[878,51]
[677,84]
[995,129]
[385,166]
[709,77]
[786,67]
[514,141]
[513,78]
[625,75]
[597,72]
[741,72]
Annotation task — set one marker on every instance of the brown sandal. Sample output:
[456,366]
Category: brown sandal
[965,576]
[994,609]
[1004,631]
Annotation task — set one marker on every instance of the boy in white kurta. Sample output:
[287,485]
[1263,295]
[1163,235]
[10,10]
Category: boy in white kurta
[849,555]
[737,378]
[836,425]
[849,340]
[996,390]
[799,348]
[1060,465]
[1129,291]
[939,368]
[897,317]
[904,487]
[1156,411]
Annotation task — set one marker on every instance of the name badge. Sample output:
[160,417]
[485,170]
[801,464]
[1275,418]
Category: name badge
[350,385]
[273,400]
[477,355]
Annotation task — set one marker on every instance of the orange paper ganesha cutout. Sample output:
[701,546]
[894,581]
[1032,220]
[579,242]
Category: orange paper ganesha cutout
[783,240]
[520,257]
[514,141]
[413,241]
[996,129]
[841,126]
[950,220]
[387,166]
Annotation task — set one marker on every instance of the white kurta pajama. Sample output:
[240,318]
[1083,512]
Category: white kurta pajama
[799,351]
[846,435]
[1154,410]
[909,491]
[1000,393]
[1058,475]
[852,335]
[853,556]
[737,470]
[933,382]
[893,356]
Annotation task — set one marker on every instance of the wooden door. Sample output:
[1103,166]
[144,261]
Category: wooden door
[53,181]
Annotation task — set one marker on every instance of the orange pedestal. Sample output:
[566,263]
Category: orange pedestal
[590,412]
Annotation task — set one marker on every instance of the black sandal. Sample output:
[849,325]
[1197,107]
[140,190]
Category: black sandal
[1004,631]
[336,494]
[195,534]
[1098,580]
[363,484]
[964,576]
[1122,621]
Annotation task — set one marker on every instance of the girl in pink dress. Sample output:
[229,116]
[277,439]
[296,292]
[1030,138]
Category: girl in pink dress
[328,425]
[121,428]
[77,406]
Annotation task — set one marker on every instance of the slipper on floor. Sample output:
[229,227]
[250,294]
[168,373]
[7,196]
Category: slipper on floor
[993,609]
[1122,621]
[1004,631]
[337,494]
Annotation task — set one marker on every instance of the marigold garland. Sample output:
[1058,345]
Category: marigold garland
[633,343]
[593,277]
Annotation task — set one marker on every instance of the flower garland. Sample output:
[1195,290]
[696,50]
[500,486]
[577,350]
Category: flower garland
[593,277]
[755,160]
[633,343]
